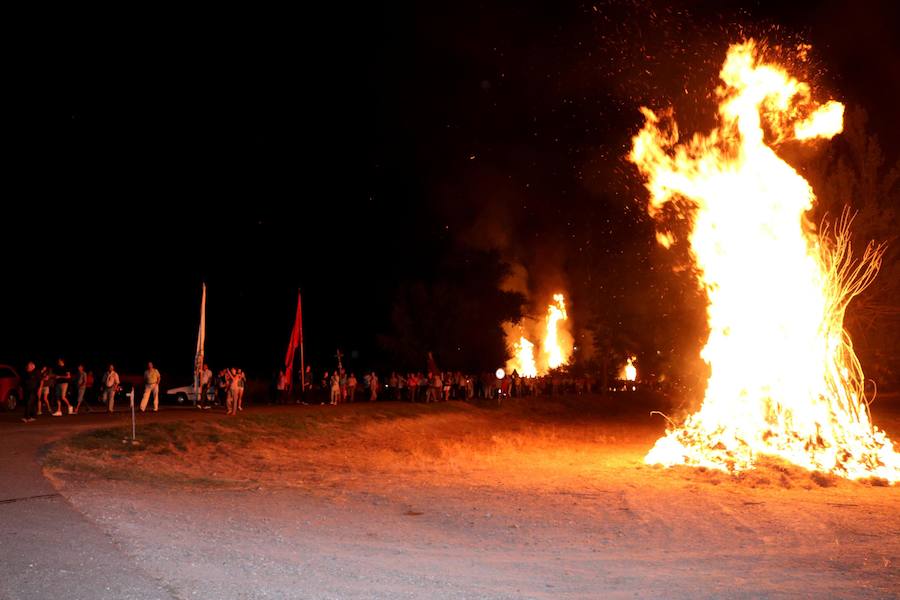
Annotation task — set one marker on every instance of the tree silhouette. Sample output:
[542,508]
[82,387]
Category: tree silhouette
[457,316]
[854,173]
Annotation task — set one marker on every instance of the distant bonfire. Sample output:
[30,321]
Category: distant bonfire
[555,342]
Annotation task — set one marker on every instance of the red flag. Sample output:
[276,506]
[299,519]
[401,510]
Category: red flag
[296,340]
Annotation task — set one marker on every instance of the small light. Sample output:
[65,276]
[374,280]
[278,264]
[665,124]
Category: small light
[500,373]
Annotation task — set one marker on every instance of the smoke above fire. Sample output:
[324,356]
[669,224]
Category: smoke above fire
[543,339]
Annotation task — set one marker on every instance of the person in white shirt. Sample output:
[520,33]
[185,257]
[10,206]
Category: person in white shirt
[373,387]
[335,388]
[233,384]
[151,386]
[109,385]
[205,379]
[281,388]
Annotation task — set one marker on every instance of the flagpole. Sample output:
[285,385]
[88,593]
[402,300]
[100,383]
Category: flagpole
[201,350]
[302,362]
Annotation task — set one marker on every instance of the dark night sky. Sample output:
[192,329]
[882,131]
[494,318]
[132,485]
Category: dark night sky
[344,151]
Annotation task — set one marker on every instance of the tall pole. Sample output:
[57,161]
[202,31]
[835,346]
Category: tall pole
[133,425]
[302,362]
[199,354]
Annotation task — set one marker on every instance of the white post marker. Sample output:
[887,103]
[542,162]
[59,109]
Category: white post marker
[131,397]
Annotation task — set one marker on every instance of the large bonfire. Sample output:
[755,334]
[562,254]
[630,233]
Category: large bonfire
[784,379]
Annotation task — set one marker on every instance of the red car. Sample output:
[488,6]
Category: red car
[10,387]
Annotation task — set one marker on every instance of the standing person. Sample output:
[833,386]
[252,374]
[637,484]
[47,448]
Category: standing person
[412,382]
[206,376]
[82,383]
[437,386]
[393,385]
[241,384]
[281,388]
[351,387]
[306,386]
[505,385]
[231,400]
[429,390]
[306,382]
[335,388]
[63,376]
[343,385]
[30,384]
[44,389]
[151,386]
[373,387]
[108,386]
[448,378]
[401,386]
[222,388]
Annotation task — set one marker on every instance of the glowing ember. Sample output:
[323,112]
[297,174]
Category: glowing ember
[784,380]
[553,349]
[629,372]
[523,358]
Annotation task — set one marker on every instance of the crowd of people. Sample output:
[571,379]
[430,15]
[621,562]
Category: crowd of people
[229,389]
[50,389]
[58,390]
[339,386]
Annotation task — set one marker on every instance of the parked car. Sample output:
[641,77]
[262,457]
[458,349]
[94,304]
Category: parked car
[10,387]
[186,393]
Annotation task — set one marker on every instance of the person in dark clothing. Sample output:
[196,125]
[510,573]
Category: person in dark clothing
[63,376]
[30,384]
[221,388]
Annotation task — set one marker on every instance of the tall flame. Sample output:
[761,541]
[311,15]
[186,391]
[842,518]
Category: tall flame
[784,379]
[523,358]
[551,333]
[552,346]
[629,371]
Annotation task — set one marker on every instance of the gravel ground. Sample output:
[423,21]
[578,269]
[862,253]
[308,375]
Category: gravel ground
[48,548]
[589,521]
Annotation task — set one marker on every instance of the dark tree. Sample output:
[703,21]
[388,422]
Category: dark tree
[854,173]
[457,316]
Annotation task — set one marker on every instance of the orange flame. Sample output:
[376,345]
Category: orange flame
[629,371]
[784,380]
[556,342]
[523,358]
[553,349]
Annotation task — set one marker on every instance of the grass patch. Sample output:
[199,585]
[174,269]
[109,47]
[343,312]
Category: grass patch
[185,447]
[293,447]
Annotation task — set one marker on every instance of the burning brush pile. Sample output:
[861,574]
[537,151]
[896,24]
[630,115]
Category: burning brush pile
[555,341]
[784,379]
